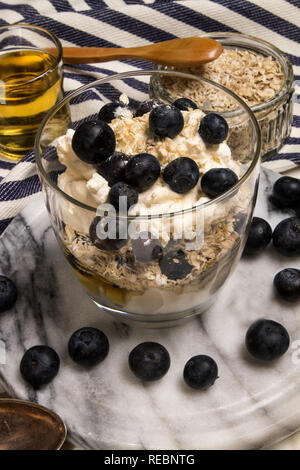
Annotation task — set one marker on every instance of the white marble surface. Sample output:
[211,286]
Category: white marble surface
[251,405]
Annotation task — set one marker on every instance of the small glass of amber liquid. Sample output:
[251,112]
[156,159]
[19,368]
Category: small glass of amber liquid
[30,84]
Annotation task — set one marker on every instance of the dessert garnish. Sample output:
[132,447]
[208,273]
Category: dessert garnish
[142,171]
[113,110]
[149,361]
[200,372]
[166,121]
[213,128]
[181,174]
[259,237]
[286,237]
[115,242]
[94,141]
[286,192]
[217,181]
[267,340]
[88,346]
[122,190]
[39,365]
[184,104]
[287,284]
[146,106]
[145,247]
[8,293]
[113,168]
[174,265]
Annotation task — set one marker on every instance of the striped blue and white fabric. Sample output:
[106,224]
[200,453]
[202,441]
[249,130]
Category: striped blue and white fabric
[113,23]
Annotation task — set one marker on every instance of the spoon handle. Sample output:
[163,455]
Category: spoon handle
[87,55]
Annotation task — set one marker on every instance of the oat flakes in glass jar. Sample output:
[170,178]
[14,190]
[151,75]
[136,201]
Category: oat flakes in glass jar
[255,70]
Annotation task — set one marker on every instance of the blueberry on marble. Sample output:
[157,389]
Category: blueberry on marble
[286,237]
[112,110]
[267,340]
[174,265]
[94,141]
[122,190]
[113,168]
[217,181]
[149,361]
[184,104]
[259,237]
[213,128]
[286,192]
[166,121]
[39,365]
[115,239]
[181,174]
[146,106]
[8,293]
[287,284]
[142,171]
[145,247]
[200,372]
[88,346]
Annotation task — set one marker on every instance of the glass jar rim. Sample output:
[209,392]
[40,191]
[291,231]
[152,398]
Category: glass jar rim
[78,91]
[54,38]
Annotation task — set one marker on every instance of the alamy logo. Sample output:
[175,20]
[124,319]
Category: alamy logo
[2,352]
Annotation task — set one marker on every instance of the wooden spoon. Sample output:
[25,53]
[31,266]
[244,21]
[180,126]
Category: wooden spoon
[191,51]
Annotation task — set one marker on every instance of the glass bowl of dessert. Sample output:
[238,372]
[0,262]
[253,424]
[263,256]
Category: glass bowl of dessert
[257,71]
[149,203]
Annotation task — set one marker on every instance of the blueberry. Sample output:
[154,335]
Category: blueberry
[146,107]
[39,365]
[166,121]
[181,174]
[111,111]
[184,104]
[200,372]
[145,248]
[174,265]
[94,141]
[88,346]
[286,192]
[287,283]
[259,237]
[142,171]
[115,241]
[267,340]
[149,361]
[8,293]
[286,237]
[213,128]
[217,181]
[113,168]
[122,190]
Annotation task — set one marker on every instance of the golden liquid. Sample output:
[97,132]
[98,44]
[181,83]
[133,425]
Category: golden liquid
[30,84]
[100,289]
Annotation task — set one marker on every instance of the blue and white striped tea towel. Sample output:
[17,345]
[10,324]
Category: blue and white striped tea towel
[112,23]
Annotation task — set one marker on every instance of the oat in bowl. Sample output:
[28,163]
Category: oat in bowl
[188,200]
[257,72]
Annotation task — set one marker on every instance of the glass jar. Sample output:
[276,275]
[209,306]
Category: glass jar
[196,245]
[31,83]
[274,115]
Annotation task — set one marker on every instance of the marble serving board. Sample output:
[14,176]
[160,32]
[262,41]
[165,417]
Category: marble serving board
[250,406]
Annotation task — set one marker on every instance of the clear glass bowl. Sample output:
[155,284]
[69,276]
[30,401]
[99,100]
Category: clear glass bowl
[274,115]
[205,239]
